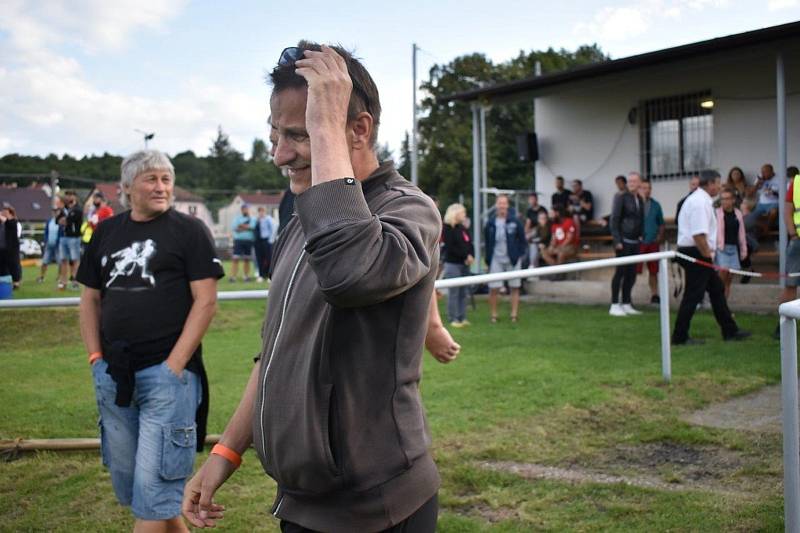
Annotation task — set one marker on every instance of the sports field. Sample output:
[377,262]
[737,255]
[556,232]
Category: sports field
[559,422]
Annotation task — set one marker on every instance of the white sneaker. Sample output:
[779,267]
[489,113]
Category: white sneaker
[629,310]
[259,279]
[616,310]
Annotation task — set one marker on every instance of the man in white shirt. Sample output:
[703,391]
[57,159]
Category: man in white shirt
[697,235]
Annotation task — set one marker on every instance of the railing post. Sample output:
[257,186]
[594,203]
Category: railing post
[663,307]
[791,440]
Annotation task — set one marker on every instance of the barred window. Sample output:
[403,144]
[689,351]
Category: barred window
[677,135]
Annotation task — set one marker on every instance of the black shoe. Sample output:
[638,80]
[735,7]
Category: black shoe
[746,280]
[738,336]
[690,342]
[655,299]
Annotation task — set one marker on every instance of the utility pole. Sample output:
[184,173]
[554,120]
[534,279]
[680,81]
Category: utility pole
[414,170]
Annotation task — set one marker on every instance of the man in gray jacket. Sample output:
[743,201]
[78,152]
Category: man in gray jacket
[333,406]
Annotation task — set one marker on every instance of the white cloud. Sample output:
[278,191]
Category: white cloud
[625,22]
[48,103]
[776,5]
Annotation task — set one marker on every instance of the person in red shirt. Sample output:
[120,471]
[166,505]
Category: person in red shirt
[102,210]
[563,241]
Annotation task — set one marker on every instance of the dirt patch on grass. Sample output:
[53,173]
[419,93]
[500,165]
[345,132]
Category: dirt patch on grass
[662,466]
[759,411]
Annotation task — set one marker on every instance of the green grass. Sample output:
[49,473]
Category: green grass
[566,386]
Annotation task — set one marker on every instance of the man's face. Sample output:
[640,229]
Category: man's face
[694,183]
[560,185]
[713,187]
[69,199]
[645,189]
[533,201]
[245,211]
[634,181]
[97,201]
[501,206]
[576,187]
[261,212]
[767,172]
[151,192]
[620,184]
[291,147]
[58,204]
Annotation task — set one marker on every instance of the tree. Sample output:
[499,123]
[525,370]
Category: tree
[225,163]
[404,164]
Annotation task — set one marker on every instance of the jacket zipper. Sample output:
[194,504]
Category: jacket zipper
[272,353]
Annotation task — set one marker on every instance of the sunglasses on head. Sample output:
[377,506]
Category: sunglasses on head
[290,56]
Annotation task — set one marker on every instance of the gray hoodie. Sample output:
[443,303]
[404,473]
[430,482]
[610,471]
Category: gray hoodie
[338,422]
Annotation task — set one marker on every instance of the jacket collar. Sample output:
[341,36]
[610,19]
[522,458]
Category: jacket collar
[380,176]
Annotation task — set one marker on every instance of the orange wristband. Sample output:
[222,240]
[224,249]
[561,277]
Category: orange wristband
[94,356]
[223,451]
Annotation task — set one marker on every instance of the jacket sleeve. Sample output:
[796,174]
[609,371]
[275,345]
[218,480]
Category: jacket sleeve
[616,218]
[363,258]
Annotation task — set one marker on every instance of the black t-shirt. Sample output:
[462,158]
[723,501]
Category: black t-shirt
[731,228]
[560,199]
[143,270]
[74,221]
[584,214]
[533,214]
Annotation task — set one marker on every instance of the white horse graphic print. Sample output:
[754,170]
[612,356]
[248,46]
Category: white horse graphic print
[138,254]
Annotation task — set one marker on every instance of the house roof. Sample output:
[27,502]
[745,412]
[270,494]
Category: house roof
[184,195]
[730,42]
[259,198]
[31,203]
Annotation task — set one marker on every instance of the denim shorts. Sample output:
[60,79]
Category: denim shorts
[51,254]
[69,248]
[504,266]
[242,249]
[728,257]
[149,446]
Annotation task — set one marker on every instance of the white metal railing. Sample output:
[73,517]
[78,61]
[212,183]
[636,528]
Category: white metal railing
[663,291]
[789,313]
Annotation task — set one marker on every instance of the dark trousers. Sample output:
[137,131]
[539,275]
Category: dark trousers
[263,256]
[423,520]
[699,280]
[625,275]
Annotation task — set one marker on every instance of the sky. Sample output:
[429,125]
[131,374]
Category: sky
[81,76]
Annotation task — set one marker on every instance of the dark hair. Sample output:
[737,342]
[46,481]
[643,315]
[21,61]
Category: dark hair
[707,177]
[579,182]
[728,190]
[70,192]
[534,194]
[792,171]
[363,98]
[730,174]
[621,177]
[559,178]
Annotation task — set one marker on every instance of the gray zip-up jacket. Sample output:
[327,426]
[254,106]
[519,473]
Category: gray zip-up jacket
[338,422]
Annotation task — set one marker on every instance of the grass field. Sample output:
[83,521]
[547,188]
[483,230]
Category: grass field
[567,389]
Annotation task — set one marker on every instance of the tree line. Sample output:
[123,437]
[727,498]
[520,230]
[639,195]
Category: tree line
[445,144]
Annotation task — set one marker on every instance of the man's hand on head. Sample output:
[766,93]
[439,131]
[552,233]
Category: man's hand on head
[329,88]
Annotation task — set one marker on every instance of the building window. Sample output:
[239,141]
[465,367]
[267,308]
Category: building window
[677,135]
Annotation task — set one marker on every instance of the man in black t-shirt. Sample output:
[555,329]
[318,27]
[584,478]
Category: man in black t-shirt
[561,196]
[70,242]
[150,277]
[581,204]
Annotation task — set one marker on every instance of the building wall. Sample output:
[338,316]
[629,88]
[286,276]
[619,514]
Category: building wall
[197,209]
[584,133]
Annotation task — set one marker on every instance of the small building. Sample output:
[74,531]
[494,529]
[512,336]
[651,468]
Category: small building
[269,201]
[668,114]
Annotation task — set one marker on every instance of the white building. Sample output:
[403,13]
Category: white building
[667,114]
